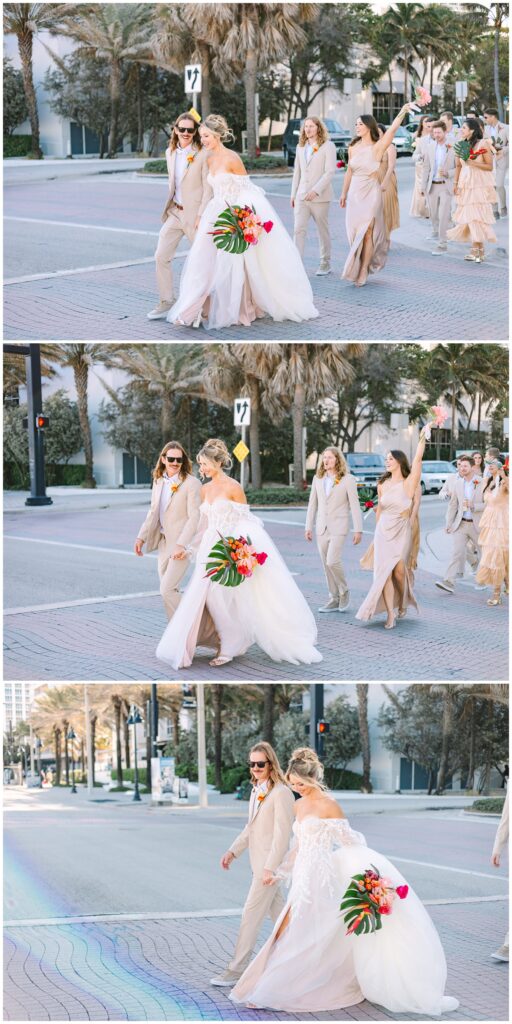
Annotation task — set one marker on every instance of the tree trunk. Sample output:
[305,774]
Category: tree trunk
[148,758]
[446,740]
[251,67]
[167,417]
[25,50]
[497,89]
[119,753]
[115,104]
[268,712]
[66,751]
[94,719]
[126,735]
[217,731]
[453,420]
[269,140]
[175,718]
[205,51]
[431,89]
[81,373]
[299,405]
[140,117]
[406,75]
[471,753]
[254,433]
[364,732]
[56,737]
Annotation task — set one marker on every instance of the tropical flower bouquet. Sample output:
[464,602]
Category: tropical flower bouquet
[438,417]
[368,500]
[422,97]
[368,898]
[463,150]
[233,560]
[238,227]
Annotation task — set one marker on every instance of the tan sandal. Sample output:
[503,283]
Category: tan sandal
[219,660]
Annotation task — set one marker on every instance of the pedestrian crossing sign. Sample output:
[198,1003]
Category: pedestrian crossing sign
[241,451]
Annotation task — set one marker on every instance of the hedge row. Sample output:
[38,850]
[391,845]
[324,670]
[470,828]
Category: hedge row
[265,162]
[489,805]
[129,775]
[17,145]
[276,496]
[56,476]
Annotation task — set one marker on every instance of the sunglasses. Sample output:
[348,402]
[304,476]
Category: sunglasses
[170,458]
[186,131]
[258,764]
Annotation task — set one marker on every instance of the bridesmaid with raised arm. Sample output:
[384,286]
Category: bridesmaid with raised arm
[362,196]
[392,586]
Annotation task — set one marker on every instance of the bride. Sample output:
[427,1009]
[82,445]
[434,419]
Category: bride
[309,963]
[267,609]
[224,288]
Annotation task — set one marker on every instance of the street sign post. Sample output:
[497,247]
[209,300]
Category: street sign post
[193,81]
[461,92]
[242,419]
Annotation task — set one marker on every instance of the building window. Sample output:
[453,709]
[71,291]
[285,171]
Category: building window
[386,105]
[135,471]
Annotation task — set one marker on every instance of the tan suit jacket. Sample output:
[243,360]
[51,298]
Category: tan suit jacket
[503,135]
[333,513]
[181,516]
[502,832]
[268,834]
[315,176]
[429,151]
[456,504]
[195,188]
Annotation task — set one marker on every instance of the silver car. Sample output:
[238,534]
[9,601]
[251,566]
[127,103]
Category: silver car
[434,474]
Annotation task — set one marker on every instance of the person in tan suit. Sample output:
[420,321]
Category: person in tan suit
[315,167]
[463,520]
[497,131]
[437,183]
[189,193]
[333,500]
[172,520]
[267,837]
[500,841]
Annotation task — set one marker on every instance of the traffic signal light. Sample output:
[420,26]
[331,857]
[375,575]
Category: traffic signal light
[42,421]
[322,727]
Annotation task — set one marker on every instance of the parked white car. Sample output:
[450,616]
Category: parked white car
[434,474]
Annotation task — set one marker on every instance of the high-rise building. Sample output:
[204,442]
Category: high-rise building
[18,699]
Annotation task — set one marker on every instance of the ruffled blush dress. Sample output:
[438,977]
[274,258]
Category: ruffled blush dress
[474,217]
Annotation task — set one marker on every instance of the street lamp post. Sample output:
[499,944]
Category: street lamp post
[38,755]
[135,719]
[72,737]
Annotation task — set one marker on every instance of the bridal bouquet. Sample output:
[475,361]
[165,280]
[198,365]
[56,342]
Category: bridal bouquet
[369,897]
[438,417]
[238,227]
[233,560]
[368,499]
[422,97]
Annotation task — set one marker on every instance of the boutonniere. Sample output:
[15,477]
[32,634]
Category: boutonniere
[315,149]
[261,797]
[190,158]
[476,481]
[336,481]
[175,487]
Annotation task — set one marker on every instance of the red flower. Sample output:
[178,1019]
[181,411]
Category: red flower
[401,891]
[268,225]
[243,570]
[340,163]
[251,239]
[384,909]
[261,558]
[368,504]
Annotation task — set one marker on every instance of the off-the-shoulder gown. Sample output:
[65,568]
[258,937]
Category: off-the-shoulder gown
[314,965]
[267,609]
[267,279]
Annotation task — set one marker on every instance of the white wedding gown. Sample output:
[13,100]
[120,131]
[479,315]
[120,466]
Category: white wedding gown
[267,609]
[268,278]
[314,966]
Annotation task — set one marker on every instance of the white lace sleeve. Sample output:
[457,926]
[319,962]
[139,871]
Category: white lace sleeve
[343,835]
[285,870]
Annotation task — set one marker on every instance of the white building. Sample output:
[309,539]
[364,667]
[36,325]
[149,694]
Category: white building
[18,699]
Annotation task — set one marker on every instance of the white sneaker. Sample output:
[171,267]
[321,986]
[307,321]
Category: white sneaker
[445,585]
[226,980]
[323,270]
[331,606]
[344,604]
[501,954]
[160,312]
[440,250]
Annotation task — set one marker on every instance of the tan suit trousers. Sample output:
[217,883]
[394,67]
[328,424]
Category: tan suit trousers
[501,172]
[466,531]
[330,549]
[320,213]
[171,572]
[169,238]
[439,201]
[262,900]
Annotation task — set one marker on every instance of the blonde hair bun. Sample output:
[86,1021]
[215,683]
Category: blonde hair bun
[306,765]
[215,450]
[219,126]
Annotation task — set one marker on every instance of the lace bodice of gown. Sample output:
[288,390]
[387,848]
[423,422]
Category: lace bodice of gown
[232,186]
[323,834]
[227,516]
[317,839]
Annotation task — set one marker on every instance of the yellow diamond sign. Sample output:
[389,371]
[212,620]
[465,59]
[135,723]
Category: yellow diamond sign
[241,451]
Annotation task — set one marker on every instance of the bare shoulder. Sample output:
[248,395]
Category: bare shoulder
[236,164]
[331,808]
[236,493]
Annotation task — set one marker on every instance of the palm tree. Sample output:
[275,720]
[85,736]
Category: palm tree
[499,13]
[450,368]
[193,33]
[269,692]
[217,691]
[24,21]
[437,28]
[81,358]
[403,23]
[305,375]
[53,712]
[117,34]
[260,35]
[364,732]
[450,692]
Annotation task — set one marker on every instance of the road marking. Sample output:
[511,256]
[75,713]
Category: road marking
[292,522]
[76,604]
[180,915]
[443,867]
[79,547]
[48,275]
[83,227]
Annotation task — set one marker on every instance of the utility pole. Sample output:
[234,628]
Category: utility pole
[32,355]
[201,746]
[88,744]
[316,740]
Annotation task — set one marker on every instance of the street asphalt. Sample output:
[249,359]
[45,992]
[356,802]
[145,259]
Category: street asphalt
[78,259]
[118,911]
[79,605]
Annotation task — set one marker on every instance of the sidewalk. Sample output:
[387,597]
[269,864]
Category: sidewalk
[159,969]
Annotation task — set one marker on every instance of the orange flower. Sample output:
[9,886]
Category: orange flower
[191,158]
[261,797]
[175,487]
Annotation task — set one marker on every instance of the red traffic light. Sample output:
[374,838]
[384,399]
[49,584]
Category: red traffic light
[42,421]
[322,727]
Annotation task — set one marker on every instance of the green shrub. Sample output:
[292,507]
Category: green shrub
[488,805]
[129,775]
[265,162]
[155,167]
[277,496]
[17,145]
[342,778]
[232,777]
[188,770]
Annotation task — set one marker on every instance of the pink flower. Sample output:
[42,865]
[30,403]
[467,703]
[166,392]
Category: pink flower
[439,415]
[401,891]
[384,909]
[423,96]
[268,225]
[340,163]
[261,558]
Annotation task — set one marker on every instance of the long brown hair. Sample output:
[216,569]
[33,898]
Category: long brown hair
[322,133]
[426,117]
[186,465]
[196,138]
[276,772]
[400,457]
[340,468]
[370,123]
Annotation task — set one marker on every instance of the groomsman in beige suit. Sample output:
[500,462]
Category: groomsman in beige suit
[437,183]
[463,520]
[497,131]
[266,836]
[172,520]
[189,193]
[333,500]
[315,167]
